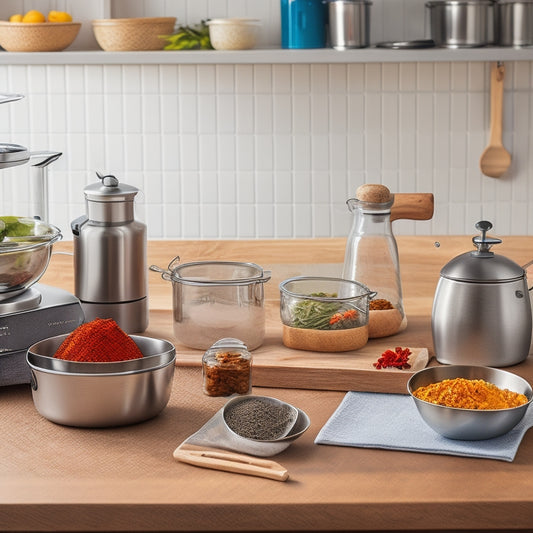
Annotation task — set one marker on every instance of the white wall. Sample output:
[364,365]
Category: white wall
[260,151]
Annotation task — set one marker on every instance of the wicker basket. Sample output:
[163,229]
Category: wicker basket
[144,33]
[37,37]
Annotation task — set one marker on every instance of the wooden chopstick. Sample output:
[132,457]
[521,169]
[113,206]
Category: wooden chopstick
[232,462]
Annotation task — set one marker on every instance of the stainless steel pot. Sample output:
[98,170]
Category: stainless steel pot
[481,311]
[515,23]
[217,299]
[349,23]
[461,23]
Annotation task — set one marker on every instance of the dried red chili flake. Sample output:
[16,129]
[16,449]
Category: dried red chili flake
[396,358]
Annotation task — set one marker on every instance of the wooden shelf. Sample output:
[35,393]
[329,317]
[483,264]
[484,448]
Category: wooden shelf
[266,56]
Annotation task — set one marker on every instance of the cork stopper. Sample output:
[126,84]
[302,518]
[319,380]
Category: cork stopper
[373,193]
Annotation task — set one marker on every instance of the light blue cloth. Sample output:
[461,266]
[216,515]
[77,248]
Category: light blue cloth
[391,421]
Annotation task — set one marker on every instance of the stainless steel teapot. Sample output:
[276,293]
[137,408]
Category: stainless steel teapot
[481,310]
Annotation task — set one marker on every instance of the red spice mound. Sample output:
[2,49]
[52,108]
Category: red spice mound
[399,358]
[98,341]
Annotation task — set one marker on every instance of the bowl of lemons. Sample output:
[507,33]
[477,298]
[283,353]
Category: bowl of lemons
[35,32]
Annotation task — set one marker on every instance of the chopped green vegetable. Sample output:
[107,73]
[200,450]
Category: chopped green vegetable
[189,38]
[315,314]
[311,314]
[17,226]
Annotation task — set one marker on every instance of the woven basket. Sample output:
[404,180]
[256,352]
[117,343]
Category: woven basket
[143,33]
[37,37]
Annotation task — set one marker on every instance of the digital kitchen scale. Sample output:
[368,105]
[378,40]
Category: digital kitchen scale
[38,313]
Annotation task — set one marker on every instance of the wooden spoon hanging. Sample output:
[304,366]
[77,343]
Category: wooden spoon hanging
[495,159]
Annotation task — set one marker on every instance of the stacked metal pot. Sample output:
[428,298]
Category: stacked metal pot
[476,23]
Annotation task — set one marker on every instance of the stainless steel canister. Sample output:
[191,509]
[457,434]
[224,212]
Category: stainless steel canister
[110,270]
[461,23]
[349,23]
[515,22]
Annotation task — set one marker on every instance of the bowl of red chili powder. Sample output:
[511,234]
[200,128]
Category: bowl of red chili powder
[98,376]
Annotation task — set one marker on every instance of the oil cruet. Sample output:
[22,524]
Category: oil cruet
[371,255]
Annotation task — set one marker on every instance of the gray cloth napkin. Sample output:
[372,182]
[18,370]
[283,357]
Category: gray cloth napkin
[391,421]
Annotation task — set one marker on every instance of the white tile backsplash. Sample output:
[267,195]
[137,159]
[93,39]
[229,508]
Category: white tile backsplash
[269,151]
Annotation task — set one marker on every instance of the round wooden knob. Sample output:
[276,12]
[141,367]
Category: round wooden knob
[373,193]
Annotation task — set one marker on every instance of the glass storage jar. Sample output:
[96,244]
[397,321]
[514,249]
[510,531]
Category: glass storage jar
[227,368]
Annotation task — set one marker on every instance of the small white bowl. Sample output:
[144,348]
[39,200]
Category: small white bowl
[233,33]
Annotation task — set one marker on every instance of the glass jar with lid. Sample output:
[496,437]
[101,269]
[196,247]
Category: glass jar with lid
[227,368]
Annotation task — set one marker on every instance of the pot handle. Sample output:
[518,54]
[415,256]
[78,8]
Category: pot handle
[165,274]
[525,267]
[174,263]
[33,380]
[267,274]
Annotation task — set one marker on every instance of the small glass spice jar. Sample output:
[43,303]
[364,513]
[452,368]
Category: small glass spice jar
[227,368]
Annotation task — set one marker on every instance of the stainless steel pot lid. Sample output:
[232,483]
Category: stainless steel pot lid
[482,265]
[367,2]
[5,98]
[406,45]
[434,3]
[12,155]
[109,189]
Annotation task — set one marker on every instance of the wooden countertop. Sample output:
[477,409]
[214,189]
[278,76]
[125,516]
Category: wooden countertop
[71,479]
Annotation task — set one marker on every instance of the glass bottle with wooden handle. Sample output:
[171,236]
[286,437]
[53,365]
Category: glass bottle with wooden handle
[371,255]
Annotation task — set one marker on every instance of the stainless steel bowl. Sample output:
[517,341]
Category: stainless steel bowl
[461,23]
[101,394]
[470,424]
[24,259]
[263,448]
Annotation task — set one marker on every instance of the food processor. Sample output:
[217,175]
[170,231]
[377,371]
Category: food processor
[29,311]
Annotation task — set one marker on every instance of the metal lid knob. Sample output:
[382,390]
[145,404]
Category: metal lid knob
[108,180]
[482,242]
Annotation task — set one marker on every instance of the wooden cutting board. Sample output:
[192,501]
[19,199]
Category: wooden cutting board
[275,365]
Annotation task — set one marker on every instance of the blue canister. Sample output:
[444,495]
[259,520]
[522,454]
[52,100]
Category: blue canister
[303,24]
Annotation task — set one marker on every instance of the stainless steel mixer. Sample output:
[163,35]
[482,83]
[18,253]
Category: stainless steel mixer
[29,311]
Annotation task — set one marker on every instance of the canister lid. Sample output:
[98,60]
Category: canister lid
[229,343]
[109,189]
[408,45]
[482,265]
[433,3]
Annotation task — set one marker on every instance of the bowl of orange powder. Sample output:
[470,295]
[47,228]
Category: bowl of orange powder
[470,402]
[98,376]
